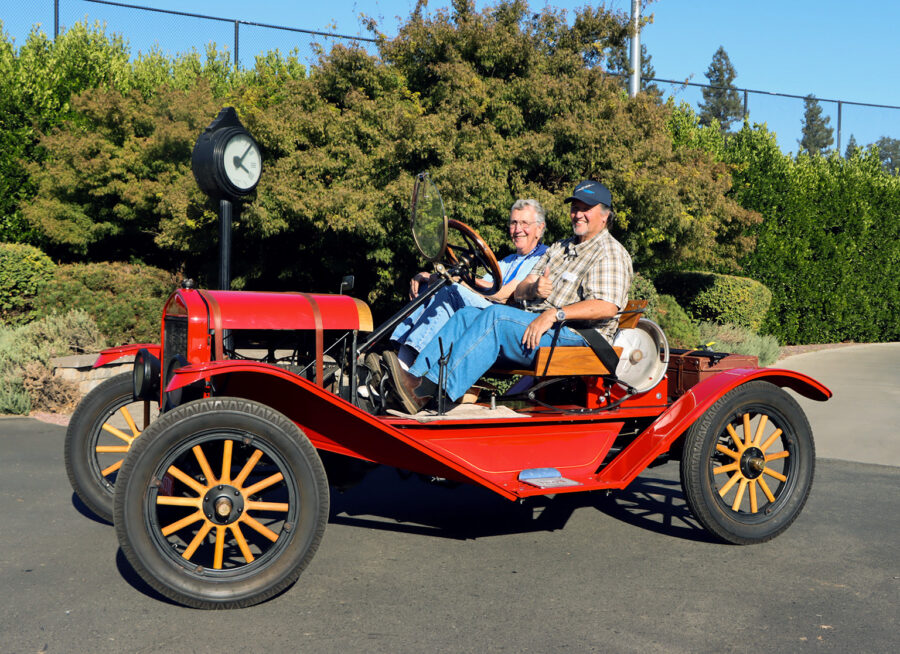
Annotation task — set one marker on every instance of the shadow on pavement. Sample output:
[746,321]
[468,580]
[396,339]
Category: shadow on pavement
[134,579]
[656,505]
[386,501]
[83,509]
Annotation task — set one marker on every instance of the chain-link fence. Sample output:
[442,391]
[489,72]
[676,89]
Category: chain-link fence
[847,119]
[176,32]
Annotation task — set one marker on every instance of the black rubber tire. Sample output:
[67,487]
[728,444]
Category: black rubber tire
[702,486]
[84,433]
[141,517]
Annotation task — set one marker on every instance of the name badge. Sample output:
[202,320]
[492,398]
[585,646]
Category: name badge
[568,276]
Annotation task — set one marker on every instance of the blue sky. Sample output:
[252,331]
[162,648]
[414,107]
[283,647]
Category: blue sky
[833,49]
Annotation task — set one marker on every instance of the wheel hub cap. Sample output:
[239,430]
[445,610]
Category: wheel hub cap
[223,504]
[753,462]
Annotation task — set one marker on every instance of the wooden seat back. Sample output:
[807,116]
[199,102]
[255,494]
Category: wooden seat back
[582,360]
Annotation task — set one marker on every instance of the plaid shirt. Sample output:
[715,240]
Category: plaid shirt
[598,269]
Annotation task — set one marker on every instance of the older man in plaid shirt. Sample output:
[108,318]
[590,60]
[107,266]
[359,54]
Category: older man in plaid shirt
[583,279]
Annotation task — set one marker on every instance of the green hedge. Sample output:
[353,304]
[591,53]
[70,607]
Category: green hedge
[125,300]
[23,269]
[724,299]
[828,247]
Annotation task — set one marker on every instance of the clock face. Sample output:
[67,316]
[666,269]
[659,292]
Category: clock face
[242,160]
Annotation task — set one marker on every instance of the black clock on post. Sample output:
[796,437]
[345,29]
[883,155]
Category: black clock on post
[227,166]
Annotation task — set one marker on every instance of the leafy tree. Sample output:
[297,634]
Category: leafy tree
[817,135]
[721,102]
[889,153]
[539,105]
[39,80]
[852,147]
[497,104]
[36,83]
[113,178]
[825,263]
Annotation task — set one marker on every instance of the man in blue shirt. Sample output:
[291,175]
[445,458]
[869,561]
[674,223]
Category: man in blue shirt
[526,228]
[584,279]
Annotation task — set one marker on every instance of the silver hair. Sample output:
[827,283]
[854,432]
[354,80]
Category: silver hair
[612,214]
[534,204]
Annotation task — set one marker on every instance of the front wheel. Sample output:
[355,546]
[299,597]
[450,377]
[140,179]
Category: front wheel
[99,435]
[224,503]
[748,464]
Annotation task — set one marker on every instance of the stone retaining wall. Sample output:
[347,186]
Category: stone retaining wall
[78,368]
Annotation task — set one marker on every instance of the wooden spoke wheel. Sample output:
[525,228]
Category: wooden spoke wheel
[99,436]
[748,464]
[224,504]
[477,257]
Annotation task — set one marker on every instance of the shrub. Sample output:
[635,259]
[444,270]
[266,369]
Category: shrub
[73,332]
[46,391]
[14,400]
[23,269]
[724,299]
[680,330]
[643,289]
[740,340]
[125,300]
[26,381]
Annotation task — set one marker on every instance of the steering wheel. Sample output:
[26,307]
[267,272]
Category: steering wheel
[474,255]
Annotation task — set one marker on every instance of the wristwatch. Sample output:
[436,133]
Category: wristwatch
[560,315]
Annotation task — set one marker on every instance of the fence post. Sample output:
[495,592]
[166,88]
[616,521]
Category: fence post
[236,44]
[840,104]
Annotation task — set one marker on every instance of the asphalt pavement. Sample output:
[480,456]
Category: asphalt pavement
[410,567]
[860,423]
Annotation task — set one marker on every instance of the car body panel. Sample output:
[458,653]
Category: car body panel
[264,310]
[489,452]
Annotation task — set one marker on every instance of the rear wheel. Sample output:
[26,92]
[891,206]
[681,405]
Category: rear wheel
[224,503]
[99,436]
[748,464]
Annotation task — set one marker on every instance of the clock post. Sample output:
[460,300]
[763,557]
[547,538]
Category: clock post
[227,166]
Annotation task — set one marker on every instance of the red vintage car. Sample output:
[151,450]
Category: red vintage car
[223,500]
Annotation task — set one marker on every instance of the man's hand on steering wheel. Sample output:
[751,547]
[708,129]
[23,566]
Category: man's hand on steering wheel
[416,282]
[474,253]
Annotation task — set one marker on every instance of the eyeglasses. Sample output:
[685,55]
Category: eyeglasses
[524,224]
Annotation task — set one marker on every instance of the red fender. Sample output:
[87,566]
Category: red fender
[113,353]
[674,421]
[330,422]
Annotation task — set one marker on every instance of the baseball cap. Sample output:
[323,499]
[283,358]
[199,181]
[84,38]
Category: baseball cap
[591,193]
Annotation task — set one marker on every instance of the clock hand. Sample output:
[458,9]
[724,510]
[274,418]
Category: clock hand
[250,145]
[239,163]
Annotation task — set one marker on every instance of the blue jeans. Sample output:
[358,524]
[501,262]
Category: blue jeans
[421,325]
[479,338]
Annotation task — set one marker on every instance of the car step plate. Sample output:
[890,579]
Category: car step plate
[546,478]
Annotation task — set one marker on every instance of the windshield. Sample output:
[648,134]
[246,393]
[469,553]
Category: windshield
[429,222]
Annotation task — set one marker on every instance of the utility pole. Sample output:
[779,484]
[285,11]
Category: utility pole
[634,83]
